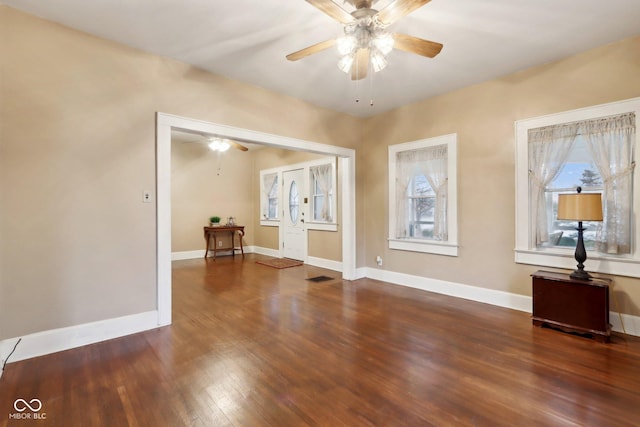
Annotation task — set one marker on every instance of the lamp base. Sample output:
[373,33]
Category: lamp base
[581,257]
[580,275]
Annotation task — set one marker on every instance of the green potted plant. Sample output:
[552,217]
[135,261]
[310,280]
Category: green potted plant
[214,220]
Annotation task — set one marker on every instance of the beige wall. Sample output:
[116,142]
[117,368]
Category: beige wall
[483,117]
[205,184]
[77,148]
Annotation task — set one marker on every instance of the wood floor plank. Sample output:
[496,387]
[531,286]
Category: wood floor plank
[252,345]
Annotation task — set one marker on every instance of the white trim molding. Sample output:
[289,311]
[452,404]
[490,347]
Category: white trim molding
[487,296]
[458,290]
[325,263]
[52,341]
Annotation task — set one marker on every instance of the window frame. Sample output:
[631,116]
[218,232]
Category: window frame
[525,251]
[312,223]
[450,246]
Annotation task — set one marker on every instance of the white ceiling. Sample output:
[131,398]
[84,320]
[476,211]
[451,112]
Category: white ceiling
[247,40]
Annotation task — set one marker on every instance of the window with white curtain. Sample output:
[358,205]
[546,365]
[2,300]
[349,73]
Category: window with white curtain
[322,192]
[593,148]
[269,197]
[423,196]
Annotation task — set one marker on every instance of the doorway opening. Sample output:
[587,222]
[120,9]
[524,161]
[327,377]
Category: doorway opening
[165,123]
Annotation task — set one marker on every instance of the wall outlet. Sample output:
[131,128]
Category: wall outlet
[219,244]
[146,196]
[379,260]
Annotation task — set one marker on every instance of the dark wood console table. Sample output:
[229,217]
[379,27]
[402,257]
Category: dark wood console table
[213,231]
[578,306]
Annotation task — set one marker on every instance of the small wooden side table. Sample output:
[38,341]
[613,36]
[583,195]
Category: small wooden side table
[578,306]
[213,231]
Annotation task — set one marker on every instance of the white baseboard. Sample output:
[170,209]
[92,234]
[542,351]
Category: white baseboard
[179,256]
[631,323]
[361,273]
[325,263]
[52,341]
[266,251]
[488,296]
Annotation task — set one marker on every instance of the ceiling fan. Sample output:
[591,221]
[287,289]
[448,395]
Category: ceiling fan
[223,144]
[215,143]
[366,41]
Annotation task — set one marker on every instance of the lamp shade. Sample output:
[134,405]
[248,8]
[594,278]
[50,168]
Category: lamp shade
[580,206]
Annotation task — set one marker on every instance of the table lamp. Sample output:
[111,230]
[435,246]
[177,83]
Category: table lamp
[580,207]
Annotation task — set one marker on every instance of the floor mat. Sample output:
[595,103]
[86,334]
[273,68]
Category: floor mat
[279,262]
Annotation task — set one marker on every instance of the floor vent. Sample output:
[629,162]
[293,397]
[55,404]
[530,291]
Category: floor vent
[320,278]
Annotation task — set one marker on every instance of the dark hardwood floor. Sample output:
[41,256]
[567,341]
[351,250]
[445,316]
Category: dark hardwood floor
[251,345]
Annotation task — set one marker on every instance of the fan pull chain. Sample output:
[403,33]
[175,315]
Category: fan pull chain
[370,84]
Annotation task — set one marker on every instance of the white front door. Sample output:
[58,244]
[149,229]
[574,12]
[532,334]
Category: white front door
[294,236]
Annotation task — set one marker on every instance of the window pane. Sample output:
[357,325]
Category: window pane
[420,187]
[318,203]
[573,175]
[273,208]
[422,217]
[273,200]
[578,171]
[294,202]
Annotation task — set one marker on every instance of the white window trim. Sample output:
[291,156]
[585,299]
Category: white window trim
[309,225]
[450,247]
[273,222]
[525,251]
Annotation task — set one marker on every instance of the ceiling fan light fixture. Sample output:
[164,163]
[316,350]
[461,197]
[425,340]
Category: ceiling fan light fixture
[383,42]
[378,61]
[224,146]
[345,63]
[217,144]
[346,44]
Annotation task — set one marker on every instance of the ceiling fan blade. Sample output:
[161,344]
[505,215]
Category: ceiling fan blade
[399,8]
[333,10]
[360,65]
[311,50]
[237,145]
[416,45]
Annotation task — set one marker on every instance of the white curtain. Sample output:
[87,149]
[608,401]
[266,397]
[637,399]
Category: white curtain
[268,182]
[404,172]
[323,176]
[432,163]
[549,148]
[611,141]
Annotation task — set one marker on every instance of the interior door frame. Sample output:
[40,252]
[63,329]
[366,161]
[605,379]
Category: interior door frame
[165,123]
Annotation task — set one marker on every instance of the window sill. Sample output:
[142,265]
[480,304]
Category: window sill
[431,247]
[595,263]
[270,222]
[322,226]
